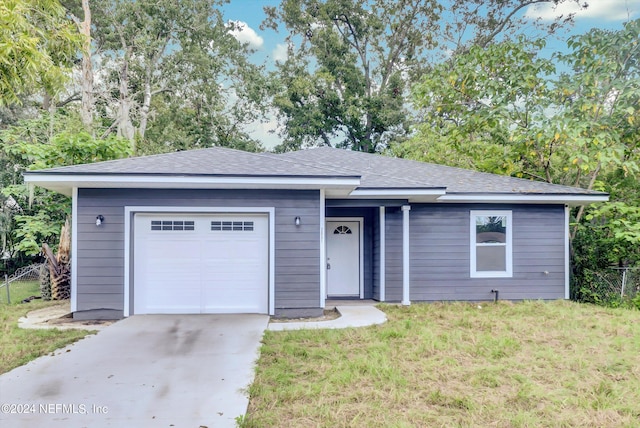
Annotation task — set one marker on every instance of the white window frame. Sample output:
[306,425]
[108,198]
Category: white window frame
[508,273]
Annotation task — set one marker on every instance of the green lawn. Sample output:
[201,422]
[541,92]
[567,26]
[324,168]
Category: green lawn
[19,346]
[531,364]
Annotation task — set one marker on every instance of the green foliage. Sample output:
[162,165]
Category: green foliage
[38,44]
[600,99]
[619,223]
[36,215]
[350,63]
[68,149]
[34,230]
[343,82]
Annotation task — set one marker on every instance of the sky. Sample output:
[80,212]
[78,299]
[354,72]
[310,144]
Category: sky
[269,45]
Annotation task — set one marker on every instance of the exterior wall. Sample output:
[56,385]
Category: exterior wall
[393,254]
[100,261]
[440,251]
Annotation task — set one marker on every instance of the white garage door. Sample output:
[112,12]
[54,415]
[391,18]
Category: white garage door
[202,263]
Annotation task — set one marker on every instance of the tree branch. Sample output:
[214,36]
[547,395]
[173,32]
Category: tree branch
[483,42]
[70,99]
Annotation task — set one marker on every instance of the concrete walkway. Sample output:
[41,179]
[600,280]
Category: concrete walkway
[359,313]
[351,316]
[58,316]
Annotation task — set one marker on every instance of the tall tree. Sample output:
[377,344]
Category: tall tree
[600,103]
[179,52]
[487,109]
[344,79]
[350,62]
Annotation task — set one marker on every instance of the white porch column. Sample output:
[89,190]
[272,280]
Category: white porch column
[74,249]
[323,250]
[405,255]
[383,256]
[567,264]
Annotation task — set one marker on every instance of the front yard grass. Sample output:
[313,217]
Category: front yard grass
[18,346]
[530,364]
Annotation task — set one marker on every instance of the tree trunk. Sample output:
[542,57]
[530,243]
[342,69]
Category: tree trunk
[125,126]
[45,283]
[146,103]
[60,266]
[86,110]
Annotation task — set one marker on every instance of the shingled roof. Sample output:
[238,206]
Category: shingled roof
[361,171]
[379,171]
[215,161]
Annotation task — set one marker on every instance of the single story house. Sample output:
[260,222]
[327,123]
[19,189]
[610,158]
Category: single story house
[220,231]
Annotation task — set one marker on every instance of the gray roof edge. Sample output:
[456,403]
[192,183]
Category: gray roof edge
[403,188]
[586,192]
[180,174]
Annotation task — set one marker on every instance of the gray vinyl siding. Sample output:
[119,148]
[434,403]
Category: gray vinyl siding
[100,264]
[376,255]
[393,254]
[440,251]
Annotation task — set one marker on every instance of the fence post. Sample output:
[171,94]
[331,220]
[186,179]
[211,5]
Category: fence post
[624,281]
[6,283]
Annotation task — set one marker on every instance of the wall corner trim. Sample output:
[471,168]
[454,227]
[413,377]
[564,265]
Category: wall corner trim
[406,256]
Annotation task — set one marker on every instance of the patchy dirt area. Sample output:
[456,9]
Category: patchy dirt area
[59,316]
[328,315]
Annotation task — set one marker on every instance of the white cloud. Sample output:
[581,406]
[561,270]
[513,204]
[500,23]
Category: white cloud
[266,133]
[608,10]
[280,53]
[245,34]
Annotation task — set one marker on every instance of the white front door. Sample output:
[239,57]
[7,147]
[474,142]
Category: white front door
[343,258]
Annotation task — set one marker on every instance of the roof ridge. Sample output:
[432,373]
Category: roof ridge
[342,169]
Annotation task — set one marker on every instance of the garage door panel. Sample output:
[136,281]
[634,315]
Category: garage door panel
[221,266]
[237,300]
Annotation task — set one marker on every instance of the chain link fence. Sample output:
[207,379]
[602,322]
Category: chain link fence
[26,283]
[612,287]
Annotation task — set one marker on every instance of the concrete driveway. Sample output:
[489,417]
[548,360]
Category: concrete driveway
[144,371]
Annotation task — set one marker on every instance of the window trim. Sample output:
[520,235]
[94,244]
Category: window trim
[508,273]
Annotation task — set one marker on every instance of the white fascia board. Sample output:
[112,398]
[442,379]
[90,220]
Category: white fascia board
[572,200]
[65,182]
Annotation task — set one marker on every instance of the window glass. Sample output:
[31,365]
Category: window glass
[491,258]
[491,229]
[491,244]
